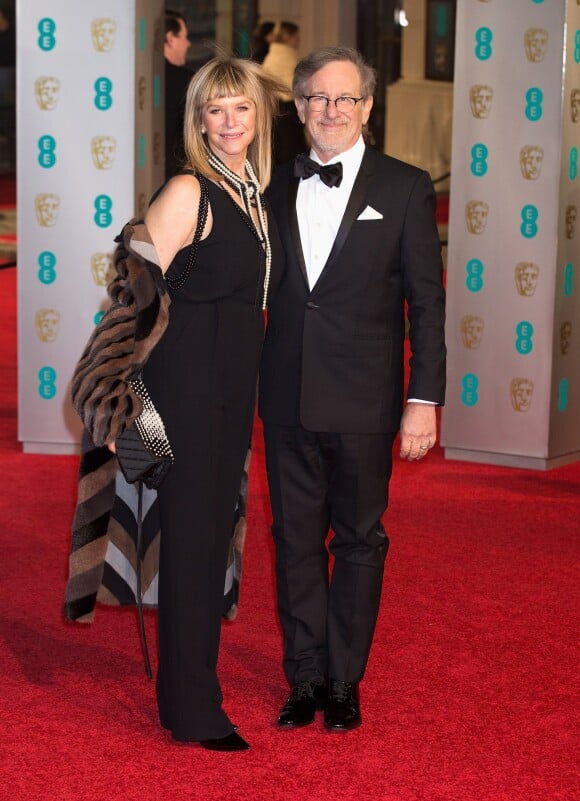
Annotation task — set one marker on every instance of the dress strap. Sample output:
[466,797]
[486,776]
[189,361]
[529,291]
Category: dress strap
[177,283]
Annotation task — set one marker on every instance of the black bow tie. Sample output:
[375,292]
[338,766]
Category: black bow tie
[305,167]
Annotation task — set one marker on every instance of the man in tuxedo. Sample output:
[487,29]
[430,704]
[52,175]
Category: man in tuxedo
[361,241]
[177,78]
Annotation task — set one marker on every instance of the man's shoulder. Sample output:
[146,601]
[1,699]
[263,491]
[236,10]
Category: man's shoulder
[283,172]
[382,162]
[281,177]
[177,76]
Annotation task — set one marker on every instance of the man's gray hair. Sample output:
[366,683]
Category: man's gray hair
[315,61]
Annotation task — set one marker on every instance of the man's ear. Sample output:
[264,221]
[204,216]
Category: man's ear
[367,106]
[300,104]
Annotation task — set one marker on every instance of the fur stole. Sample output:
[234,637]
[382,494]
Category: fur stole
[116,352]
[123,339]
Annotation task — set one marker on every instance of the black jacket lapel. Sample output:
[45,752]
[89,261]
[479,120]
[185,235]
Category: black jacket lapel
[354,206]
[294,229]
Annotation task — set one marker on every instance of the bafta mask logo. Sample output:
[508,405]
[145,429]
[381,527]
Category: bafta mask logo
[102,268]
[476,212]
[471,331]
[575,105]
[441,57]
[103,149]
[531,158]
[47,322]
[480,99]
[103,31]
[571,214]
[47,206]
[565,337]
[521,392]
[535,43]
[141,205]
[46,90]
[527,274]
[141,92]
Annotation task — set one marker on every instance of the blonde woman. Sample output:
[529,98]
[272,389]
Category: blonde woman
[202,375]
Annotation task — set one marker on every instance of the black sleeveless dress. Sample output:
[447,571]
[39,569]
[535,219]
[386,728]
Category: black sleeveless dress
[202,377]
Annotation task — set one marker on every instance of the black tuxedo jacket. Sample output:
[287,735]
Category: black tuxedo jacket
[333,356]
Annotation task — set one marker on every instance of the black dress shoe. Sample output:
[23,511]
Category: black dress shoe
[342,712]
[306,697]
[231,742]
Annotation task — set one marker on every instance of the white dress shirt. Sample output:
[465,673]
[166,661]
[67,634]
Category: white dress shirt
[320,209]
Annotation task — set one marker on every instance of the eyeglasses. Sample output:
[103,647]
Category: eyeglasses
[321,102]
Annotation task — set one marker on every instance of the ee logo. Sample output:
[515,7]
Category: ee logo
[474,269]
[534,100]
[529,226]
[47,386]
[479,154]
[46,147]
[46,29]
[573,167]
[98,317]
[524,334]
[577,47]
[470,384]
[563,395]
[156,91]
[103,216]
[568,279]
[103,89]
[483,49]
[46,264]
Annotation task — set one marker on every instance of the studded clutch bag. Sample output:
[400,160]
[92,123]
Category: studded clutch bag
[143,450]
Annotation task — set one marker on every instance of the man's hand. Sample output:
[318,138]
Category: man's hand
[418,430]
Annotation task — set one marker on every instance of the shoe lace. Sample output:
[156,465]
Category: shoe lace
[341,691]
[304,689]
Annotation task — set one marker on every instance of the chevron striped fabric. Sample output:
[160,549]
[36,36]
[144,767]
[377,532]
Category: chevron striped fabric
[103,559]
[119,581]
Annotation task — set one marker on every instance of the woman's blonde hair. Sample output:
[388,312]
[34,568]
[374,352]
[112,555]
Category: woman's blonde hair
[231,77]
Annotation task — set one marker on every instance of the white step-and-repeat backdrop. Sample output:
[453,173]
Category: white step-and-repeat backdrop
[89,154]
[513,284]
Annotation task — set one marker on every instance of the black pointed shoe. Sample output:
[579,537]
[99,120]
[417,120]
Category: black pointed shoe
[342,711]
[299,710]
[231,742]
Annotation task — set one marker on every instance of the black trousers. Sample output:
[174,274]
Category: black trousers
[320,482]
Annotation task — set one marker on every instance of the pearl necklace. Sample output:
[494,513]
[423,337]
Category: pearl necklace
[249,191]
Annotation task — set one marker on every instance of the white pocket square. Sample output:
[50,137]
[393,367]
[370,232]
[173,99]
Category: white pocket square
[370,214]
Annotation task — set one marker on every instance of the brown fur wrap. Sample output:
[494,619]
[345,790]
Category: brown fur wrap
[115,353]
[122,341]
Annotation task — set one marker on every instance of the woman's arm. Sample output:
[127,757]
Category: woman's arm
[172,217]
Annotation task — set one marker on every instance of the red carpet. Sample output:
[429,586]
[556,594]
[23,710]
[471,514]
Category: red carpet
[471,689]
[7,220]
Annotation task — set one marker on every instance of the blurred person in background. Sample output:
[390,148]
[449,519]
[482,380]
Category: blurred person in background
[177,78]
[280,62]
[260,43]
